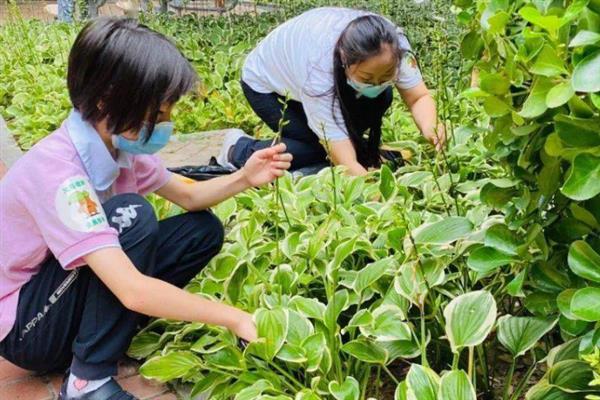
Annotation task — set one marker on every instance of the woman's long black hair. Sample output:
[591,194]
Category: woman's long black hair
[361,39]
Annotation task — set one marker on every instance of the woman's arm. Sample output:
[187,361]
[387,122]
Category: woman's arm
[263,167]
[423,110]
[343,153]
[156,298]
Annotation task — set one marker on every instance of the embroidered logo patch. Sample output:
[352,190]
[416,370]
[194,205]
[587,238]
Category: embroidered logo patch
[409,67]
[78,206]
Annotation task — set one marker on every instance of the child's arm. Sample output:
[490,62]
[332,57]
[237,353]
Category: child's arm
[262,167]
[156,298]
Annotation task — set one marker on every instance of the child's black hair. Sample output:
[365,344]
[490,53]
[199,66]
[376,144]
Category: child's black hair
[123,71]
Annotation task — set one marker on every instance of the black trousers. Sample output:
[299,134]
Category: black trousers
[300,140]
[71,317]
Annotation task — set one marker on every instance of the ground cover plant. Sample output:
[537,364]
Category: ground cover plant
[467,274]
[33,60]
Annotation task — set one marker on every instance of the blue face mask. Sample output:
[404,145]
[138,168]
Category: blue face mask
[367,90]
[158,139]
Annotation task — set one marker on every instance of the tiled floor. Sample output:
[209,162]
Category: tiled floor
[19,384]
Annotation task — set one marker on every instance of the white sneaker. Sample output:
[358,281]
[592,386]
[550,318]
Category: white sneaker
[231,138]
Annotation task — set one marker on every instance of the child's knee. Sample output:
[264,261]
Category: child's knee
[211,229]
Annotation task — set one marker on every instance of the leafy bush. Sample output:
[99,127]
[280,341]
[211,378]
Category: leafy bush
[538,64]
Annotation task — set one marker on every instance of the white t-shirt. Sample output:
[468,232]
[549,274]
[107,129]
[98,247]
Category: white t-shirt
[296,59]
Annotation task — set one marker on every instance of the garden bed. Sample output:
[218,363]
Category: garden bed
[473,273]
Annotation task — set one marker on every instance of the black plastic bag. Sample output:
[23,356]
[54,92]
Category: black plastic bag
[201,172]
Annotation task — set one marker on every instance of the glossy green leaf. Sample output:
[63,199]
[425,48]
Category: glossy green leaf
[586,76]
[310,308]
[495,107]
[387,325]
[272,327]
[495,83]
[584,261]
[535,105]
[366,350]
[422,383]
[349,390]
[292,353]
[583,181]
[487,259]
[299,328]
[585,38]
[469,319]
[456,385]
[226,358]
[550,23]
[253,391]
[372,272]
[401,392]
[171,366]
[541,303]
[387,182]
[585,304]
[445,231]
[496,196]
[306,394]
[503,239]
[143,345]
[338,303]
[563,300]
[314,346]
[519,334]
[571,375]
[515,287]
[577,132]
[559,95]
[548,63]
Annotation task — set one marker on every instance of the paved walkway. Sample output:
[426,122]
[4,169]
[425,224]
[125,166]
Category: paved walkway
[19,384]
[192,148]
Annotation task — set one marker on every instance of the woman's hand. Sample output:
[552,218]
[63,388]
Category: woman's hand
[244,327]
[437,136]
[264,166]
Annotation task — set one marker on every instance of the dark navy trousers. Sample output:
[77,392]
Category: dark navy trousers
[299,139]
[71,318]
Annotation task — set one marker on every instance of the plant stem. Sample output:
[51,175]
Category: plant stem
[377,382]
[509,378]
[470,365]
[365,382]
[521,386]
[287,218]
[386,369]
[482,357]
[286,374]
[455,361]
[424,361]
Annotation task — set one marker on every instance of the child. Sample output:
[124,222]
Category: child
[82,256]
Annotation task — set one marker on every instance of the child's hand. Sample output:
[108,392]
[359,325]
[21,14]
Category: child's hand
[264,166]
[245,328]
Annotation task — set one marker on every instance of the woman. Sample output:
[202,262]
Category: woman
[336,67]
[82,255]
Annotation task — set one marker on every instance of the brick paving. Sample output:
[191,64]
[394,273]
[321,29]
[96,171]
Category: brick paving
[19,384]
